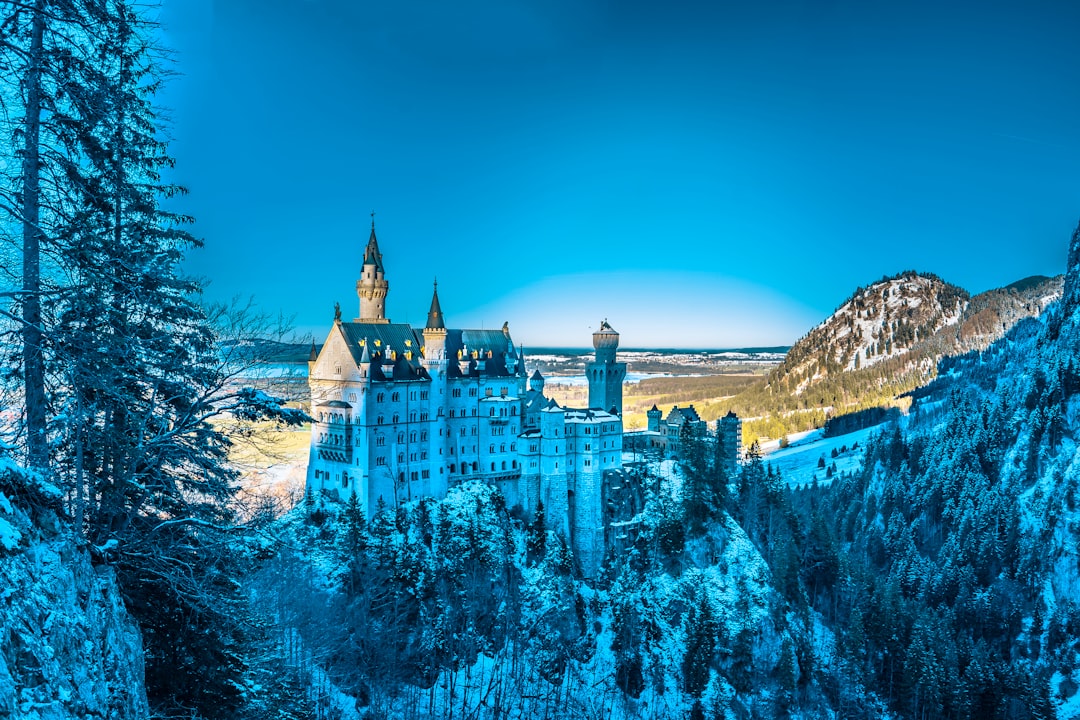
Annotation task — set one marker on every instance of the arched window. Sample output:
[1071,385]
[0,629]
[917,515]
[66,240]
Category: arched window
[401,437]
[453,467]
[513,411]
[344,479]
[503,464]
[493,467]
[475,466]
[513,464]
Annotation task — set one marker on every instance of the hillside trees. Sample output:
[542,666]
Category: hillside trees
[134,374]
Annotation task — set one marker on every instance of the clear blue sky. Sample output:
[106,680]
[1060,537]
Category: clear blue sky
[703,174]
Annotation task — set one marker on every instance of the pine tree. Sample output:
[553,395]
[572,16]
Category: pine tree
[138,376]
[700,645]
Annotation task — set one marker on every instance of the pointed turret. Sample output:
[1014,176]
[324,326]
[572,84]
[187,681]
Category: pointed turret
[372,286]
[434,316]
[372,256]
[435,334]
[314,354]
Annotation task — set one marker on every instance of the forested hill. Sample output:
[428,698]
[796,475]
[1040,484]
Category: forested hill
[885,340]
[917,317]
[952,577]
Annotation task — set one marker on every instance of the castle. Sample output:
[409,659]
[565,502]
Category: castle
[403,413]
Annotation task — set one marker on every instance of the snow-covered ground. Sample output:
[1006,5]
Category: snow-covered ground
[799,461]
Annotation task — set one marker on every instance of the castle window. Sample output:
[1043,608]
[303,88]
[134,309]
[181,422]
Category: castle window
[503,464]
[423,435]
[513,411]
[475,466]
[457,392]
[380,441]
[491,412]
[491,448]
[423,394]
[472,392]
[380,397]
[513,464]
[473,430]
[474,412]
[412,475]
[396,418]
[412,395]
[380,460]
[423,455]
[344,480]
[462,432]
[502,447]
[513,447]
[379,420]
[453,467]
[412,437]
[425,474]
[401,457]
[395,397]
[493,467]
[352,397]
[587,446]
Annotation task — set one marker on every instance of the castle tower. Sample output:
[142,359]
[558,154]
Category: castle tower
[605,375]
[729,444]
[654,416]
[436,363]
[372,285]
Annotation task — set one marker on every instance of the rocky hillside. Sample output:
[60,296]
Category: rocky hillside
[68,647]
[915,319]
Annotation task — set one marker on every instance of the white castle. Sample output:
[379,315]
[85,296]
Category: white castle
[402,413]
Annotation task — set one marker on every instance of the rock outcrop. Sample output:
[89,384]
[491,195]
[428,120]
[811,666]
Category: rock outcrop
[68,648]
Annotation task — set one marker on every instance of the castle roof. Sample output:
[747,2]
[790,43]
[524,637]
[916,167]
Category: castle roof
[372,256]
[434,316]
[382,338]
[687,414]
[379,343]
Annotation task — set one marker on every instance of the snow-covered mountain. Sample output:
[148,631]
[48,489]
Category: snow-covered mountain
[904,325]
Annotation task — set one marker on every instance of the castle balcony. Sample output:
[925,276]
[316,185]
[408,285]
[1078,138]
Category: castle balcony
[334,453]
[499,475]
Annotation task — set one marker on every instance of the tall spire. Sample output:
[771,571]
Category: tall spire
[434,316]
[372,256]
[372,286]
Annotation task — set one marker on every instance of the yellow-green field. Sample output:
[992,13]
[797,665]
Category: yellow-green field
[707,393]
